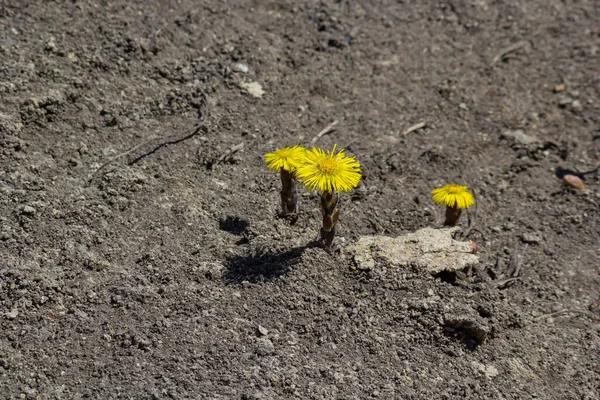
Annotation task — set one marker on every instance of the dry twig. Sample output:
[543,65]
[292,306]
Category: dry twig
[111,160]
[512,272]
[167,141]
[415,127]
[229,152]
[328,129]
[554,314]
[507,50]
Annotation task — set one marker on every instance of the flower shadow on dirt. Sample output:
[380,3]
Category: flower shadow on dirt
[260,267]
[233,225]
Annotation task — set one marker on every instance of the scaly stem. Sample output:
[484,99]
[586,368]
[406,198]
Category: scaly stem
[331,213]
[452,216]
[289,194]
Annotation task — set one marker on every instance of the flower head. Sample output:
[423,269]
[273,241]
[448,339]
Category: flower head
[328,172]
[287,158]
[453,196]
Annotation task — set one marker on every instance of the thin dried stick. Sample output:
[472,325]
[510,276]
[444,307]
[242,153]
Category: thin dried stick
[328,129]
[554,314]
[415,127]
[170,140]
[111,160]
[510,49]
[512,271]
[230,151]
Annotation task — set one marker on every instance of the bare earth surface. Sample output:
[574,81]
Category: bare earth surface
[164,273]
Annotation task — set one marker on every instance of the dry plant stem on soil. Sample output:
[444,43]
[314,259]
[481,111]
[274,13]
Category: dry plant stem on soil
[289,193]
[331,213]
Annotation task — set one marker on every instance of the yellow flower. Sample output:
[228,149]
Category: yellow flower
[287,158]
[328,172]
[453,196]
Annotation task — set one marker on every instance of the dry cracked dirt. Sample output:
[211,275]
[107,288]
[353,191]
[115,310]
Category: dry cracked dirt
[140,253]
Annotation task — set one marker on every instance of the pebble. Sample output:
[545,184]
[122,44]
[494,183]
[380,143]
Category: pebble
[109,151]
[262,330]
[12,314]
[254,89]
[573,181]
[559,88]
[51,45]
[239,67]
[265,347]
[577,106]
[521,137]
[28,210]
[530,238]
[565,101]
[488,370]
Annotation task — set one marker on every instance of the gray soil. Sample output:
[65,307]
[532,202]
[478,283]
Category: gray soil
[140,253]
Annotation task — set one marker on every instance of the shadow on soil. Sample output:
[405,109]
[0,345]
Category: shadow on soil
[257,268]
[233,225]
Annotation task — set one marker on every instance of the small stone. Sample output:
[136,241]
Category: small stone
[265,347]
[262,330]
[254,89]
[12,314]
[559,88]
[564,102]
[521,137]
[239,67]
[488,370]
[463,106]
[109,151]
[530,238]
[576,105]
[573,181]
[51,45]
[28,210]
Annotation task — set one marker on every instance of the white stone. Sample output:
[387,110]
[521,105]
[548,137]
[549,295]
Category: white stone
[254,89]
[432,249]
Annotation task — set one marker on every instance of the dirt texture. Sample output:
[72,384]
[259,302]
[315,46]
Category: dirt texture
[140,253]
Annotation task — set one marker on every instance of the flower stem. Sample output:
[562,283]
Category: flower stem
[331,213]
[289,193]
[452,216]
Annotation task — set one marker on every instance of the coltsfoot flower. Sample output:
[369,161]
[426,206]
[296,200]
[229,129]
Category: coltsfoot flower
[287,158]
[329,173]
[286,161]
[455,198]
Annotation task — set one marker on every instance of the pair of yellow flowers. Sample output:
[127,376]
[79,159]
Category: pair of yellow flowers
[317,169]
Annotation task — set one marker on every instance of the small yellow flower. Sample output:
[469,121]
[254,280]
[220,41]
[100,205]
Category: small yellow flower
[453,196]
[328,172]
[287,158]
